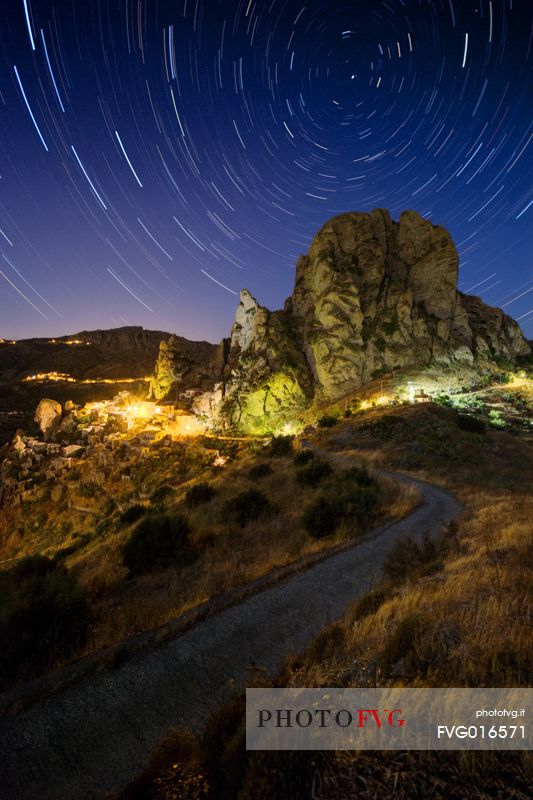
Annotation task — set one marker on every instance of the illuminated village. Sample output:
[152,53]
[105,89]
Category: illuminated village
[100,435]
[113,434]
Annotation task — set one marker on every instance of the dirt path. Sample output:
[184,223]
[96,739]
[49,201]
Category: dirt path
[93,737]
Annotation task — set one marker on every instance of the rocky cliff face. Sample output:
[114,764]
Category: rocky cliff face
[182,364]
[266,376]
[372,295]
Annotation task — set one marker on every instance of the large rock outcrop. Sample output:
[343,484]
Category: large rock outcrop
[267,379]
[184,365]
[48,416]
[371,296]
[374,295]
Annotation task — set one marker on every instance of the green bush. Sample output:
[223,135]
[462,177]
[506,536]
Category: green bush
[259,471]
[42,618]
[245,507]
[303,457]
[198,494]
[321,518]
[349,494]
[159,541]
[281,445]
[471,424]
[80,540]
[355,492]
[103,526]
[327,421]
[358,475]
[496,420]
[132,514]
[312,473]
[328,645]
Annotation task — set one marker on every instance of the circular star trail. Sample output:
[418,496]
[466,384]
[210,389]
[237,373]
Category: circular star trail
[158,156]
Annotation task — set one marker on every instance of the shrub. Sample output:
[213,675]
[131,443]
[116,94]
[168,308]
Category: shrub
[175,761]
[42,617]
[198,494]
[313,472]
[349,494]
[321,518]
[327,421]
[161,493]
[223,747]
[387,427]
[368,604]
[80,540]
[409,559]
[358,475]
[159,541]
[245,507]
[471,424]
[404,643]
[355,492]
[326,646]
[281,445]
[104,525]
[303,457]
[259,471]
[132,514]
[496,420]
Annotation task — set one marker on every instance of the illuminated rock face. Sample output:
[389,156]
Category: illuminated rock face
[48,416]
[372,295]
[183,365]
[267,377]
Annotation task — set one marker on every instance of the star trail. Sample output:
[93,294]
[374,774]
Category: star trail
[156,157]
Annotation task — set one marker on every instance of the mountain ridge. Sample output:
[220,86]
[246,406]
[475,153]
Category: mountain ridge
[125,352]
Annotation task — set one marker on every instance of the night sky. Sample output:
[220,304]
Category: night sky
[156,157]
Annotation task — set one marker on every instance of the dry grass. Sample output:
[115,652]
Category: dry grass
[475,610]
[229,555]
[471,612]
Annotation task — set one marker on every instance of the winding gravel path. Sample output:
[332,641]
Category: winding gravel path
[94,736]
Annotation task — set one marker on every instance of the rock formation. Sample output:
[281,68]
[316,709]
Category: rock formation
[266,376]
[374,295]
[48,416]
[371,296]
[184,365]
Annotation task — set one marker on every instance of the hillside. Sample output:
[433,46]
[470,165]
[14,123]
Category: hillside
[449,612]
[128,352]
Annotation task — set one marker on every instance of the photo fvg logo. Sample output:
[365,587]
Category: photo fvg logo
[374,718]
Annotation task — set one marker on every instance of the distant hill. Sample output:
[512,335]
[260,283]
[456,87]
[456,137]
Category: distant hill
[106,355]
[128,352]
